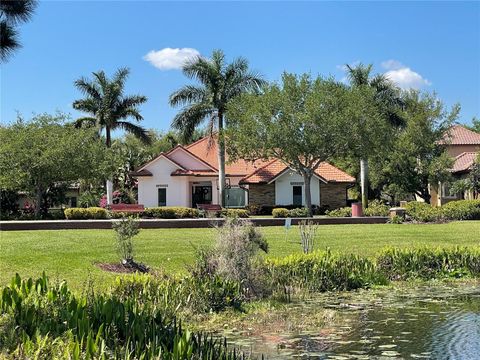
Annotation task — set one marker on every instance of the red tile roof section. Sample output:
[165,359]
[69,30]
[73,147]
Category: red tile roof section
[270,171]
[460,135]
[464,161]
[206,149]
[180,172]
[255,172]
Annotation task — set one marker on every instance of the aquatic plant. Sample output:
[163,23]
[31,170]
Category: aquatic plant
[49,319]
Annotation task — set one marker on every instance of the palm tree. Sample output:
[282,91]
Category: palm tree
[389,99]
[219,84]
[109,108]
[13,12]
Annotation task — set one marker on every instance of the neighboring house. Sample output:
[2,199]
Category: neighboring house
[71,198]
[188,175]
[463,145]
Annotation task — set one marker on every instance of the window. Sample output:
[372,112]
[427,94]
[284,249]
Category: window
[447,192]
[235,197]
[162,197]
[297,195]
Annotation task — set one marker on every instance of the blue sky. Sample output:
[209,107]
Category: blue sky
[434,46]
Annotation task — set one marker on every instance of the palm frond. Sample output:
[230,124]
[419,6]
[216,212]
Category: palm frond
[124,113]
[359,75]
[132,101]
[201,69]
[101,79]
[136,130]
[88,87]
[8,40]
[189,118]
[187,95]
[16,11]
[87,105]
[85,121]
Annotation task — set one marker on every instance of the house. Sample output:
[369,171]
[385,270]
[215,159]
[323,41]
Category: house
[188,175]
[463,145]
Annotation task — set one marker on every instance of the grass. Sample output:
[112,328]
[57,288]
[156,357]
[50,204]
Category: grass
[71,254]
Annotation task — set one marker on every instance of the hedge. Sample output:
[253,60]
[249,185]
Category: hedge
[171,212]
[86,213]
[454,210]
[234,213]
[294,213]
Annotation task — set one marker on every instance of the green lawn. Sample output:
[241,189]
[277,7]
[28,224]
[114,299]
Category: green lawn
[71,254]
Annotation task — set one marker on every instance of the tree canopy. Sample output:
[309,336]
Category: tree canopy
[302,121]
[39,155]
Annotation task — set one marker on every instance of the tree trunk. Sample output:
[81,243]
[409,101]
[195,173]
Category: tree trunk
[364,182]
[38,202]
[221,162]
[307,178]
[109,183]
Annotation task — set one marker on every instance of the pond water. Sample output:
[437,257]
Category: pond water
[434,321]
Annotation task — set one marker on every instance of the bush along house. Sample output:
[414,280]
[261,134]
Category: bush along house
[188,176]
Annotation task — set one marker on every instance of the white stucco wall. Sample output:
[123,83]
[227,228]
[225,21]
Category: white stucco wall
[186,160]
[178,188]
[284,191]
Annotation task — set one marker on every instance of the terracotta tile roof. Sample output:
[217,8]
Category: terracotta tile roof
[206,150]
[265,173]
[180,172]
[274,168]
[464,161]
[333,174]
[460,135]
[259,171]
[141,173]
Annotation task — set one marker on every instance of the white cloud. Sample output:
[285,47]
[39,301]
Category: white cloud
[403,76]
[168,58]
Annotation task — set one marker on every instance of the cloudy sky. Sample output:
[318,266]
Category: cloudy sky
[431,46]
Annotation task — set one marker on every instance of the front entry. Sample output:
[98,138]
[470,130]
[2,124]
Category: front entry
[201,194]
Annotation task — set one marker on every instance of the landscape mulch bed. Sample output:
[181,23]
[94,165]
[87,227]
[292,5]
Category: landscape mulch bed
[119,268]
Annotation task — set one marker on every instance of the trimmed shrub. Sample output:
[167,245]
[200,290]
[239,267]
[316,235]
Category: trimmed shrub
[299,212]
[340,212]
[423,212]
[85,213]
[171,212]
[462,210]
[377,208]
[124,214]
[280,213]
[267,209]
[234,213]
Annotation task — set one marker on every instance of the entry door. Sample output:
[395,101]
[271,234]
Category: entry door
[201,195]
[297,195]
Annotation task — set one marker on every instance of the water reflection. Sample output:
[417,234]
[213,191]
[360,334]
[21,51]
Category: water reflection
[424,322]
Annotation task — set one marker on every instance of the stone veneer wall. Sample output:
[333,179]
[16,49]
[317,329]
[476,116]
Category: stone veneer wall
[261,194]
[333,195]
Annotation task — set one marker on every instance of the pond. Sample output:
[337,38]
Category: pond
[429,321]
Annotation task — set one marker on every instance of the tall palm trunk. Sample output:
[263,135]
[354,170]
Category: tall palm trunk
[364,182]
[221,161]
[109,182]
